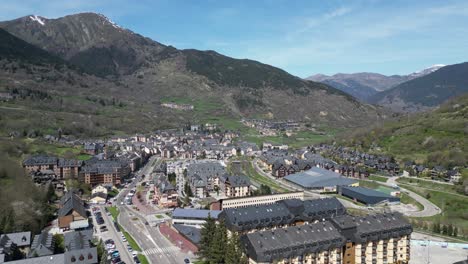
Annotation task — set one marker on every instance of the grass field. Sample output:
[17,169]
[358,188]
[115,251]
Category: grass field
[378,178]
[300,139]
[454,207]
[428,185]
[248,169]
[406,199]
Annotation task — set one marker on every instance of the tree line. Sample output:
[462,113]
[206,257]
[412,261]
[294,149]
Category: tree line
[217,246]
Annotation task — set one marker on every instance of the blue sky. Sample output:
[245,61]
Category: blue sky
[301,37]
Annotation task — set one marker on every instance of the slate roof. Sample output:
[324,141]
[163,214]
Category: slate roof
[37,160]
[366,195]
[53,259]
[372,227]
[191,233]
[318,178]
[78,239]
[69,163]
[236,181]
[194,213]
[283,212]
[81,256]
[102,166]
[270,245]
[71,202]
[43,245]
[209,169]
[21,239]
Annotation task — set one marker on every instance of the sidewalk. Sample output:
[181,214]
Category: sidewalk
[177,239]
[143,207]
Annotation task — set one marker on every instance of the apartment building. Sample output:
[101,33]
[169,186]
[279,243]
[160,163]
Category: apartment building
[345,239]
[281,214]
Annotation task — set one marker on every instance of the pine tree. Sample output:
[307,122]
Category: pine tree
[450,230]
[2,224]
[218,244]
[455,232]
[436,228]
[9,225]
[207,236]
[234,253]
[444,230]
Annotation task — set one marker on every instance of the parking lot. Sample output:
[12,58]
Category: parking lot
[427,249]
[110,232]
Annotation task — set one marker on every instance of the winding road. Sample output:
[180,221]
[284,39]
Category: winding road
[430,209]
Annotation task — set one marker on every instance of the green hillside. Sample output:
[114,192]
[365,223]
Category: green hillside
[433,138]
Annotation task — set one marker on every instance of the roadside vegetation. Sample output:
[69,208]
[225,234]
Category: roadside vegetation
[114,211]
[454,210]
[378,178]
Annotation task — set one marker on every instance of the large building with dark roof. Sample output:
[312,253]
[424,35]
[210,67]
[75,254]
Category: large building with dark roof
[366,195]
[296,244]
[383,238]
[320,179]
[280,214]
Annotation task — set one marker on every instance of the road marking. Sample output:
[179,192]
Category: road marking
[156,250]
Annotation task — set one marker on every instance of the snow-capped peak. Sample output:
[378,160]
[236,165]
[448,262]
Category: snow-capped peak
[428,70]
[38,19]
[110,21]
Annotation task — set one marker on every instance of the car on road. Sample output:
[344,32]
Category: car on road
[187,260]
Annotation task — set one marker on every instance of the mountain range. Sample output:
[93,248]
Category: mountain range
[427,91]
[87,75]
[364,85]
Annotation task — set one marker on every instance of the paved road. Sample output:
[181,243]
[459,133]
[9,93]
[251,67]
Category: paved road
[430,209]
[153,244]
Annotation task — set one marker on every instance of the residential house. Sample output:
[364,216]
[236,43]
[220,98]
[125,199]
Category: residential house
[165,193]
[72,213]
[234,186]
[14,245]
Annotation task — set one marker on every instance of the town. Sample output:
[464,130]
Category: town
[173,182]
[233,132]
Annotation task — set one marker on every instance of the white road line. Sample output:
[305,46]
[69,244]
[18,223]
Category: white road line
[157,250]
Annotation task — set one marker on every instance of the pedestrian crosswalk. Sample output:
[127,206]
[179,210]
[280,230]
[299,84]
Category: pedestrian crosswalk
[164,250]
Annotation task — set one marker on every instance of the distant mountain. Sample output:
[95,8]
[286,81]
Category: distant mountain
[366,84]
[120,79]
[426,71]
[427,91]
[90,41]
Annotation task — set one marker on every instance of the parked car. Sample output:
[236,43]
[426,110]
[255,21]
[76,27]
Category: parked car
[136,259]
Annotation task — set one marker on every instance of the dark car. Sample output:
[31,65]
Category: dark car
[136,259]
[186,260]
